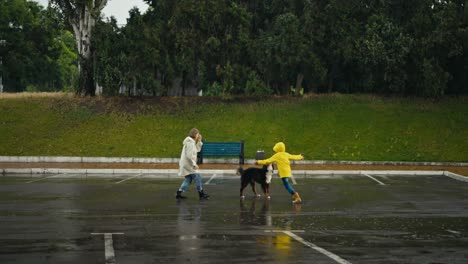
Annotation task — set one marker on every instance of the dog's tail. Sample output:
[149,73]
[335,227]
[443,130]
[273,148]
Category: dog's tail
[240,171]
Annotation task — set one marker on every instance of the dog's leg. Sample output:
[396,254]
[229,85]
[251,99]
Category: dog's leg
[267,191]
[242,196]
[244,183]
[254,189]
[264,189]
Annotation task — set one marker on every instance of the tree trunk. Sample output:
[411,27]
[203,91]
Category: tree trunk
[299,79]
[184,80]
[82,26]
[86,79]
[82,17]
[331,75]
[330,83]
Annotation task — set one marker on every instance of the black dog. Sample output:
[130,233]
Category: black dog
[259,175]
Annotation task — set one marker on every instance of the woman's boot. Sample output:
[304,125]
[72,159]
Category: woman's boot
[203,195]
[180,196]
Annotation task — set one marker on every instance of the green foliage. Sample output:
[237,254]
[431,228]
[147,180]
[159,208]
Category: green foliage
[111,59]
[335,127]
[66,62]
[255,86]
[434,80]
[385,50]
[225,47]
[36,50]
[215,89]
[32,89]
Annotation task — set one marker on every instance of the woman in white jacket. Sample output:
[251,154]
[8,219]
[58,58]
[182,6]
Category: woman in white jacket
[188,164]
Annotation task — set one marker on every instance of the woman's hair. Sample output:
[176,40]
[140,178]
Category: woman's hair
[193,133]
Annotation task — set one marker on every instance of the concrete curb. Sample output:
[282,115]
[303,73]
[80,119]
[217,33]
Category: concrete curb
[296,173]
[456,176]
[32,159]
[45,159]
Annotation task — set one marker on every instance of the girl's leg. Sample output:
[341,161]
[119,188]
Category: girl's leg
[287,185]
[186,183]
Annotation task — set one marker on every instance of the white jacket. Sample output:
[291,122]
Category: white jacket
[188,156]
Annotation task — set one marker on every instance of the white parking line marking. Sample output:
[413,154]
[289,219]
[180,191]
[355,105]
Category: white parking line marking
[293,180]
[212,177]
[325,252]
[108,246]
[280,231]
[379,182]
[129,178]
[53,176]
[453,232]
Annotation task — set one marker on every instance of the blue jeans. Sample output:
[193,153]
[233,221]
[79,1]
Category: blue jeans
[188,180]
[287,185]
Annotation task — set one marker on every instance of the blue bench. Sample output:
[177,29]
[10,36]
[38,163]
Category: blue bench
[222,149]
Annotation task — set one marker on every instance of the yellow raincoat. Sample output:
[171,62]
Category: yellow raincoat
[281,157]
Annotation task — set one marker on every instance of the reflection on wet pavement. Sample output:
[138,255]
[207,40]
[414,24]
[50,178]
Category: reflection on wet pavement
[407,221]
[189,228]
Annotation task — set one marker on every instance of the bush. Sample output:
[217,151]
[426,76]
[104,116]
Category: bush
[255,86]
[32,88]
[435,79]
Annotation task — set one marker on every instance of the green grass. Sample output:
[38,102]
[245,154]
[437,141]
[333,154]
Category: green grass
[331,127]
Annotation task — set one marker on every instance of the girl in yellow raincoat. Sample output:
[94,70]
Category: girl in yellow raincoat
[281,157]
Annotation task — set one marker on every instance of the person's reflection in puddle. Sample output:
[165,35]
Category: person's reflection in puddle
[250,216]
[189,230]
[283,241]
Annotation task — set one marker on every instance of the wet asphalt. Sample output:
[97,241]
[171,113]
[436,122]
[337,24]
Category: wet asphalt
[349,219]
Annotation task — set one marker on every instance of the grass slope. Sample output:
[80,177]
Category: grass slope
[329,127]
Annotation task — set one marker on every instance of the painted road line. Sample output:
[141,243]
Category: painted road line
[379,182]
[280,231]
[108,246]
[53,176]
[212,177]
[453,232]
[293,180]
[325,252]
[129,178]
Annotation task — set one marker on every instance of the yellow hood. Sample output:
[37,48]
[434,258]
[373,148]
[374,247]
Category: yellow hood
[279,147]
[281,157]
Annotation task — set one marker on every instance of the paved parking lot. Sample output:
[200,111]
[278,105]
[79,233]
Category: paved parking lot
[135,219]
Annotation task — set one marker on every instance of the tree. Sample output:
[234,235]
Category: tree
[110,56]
[385,50]
[281,51]
[208,45]
[36,54]
[450,40]
[82,16]
[226,47]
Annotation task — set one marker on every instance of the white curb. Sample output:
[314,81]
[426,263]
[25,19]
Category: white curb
[456,176]
[213,161]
